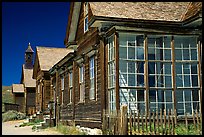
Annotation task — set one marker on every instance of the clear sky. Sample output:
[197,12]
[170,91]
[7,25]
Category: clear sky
[40,23]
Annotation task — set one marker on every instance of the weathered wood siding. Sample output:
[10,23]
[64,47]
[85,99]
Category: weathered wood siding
[20,100]
[80,28]
[88,113]
[30,97]
[46,95]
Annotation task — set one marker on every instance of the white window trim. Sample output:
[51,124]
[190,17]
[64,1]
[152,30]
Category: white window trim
[70,87]
[92,78]
[81,83]
[85,16]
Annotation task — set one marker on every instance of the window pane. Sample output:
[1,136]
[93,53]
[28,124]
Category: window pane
[140,53]
[131,80]
[194,80]
[178,54]
[179,81]
[131,67]
[140,80]
[187,81]
[186,54]
[131,53]
[123,52]
[194,54]
[167,54]
[167,68]
[168,81]
[123,66]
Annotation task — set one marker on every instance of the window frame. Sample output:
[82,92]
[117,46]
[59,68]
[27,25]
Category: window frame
[82,83]
[92,77]
[86,8]
[70,89]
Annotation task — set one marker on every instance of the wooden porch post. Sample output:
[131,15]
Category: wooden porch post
[103,75]
[199,73]
[116,36]
[146,76]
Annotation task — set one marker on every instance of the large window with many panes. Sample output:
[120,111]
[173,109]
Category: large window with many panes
[158,89]
[187,82]
[131,71]
[111,74]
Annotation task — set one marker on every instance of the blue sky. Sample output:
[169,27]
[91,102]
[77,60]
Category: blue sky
[40,23]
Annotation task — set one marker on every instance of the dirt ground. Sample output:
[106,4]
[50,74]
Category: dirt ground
[12,128]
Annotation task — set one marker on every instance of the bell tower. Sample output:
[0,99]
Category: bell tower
[29,57]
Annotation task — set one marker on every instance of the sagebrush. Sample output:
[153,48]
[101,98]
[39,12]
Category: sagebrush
[12,115]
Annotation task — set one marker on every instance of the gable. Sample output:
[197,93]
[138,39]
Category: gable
[72,22]
[36,66]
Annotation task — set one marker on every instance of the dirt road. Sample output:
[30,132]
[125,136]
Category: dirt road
[12,128]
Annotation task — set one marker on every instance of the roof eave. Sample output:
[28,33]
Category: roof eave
[98,21]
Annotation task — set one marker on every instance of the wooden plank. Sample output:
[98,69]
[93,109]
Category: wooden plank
[173,123]
[146,75]
[194,122]
[150,123]
[116,41]
[142,123]
[164,121]
[130,123]
[199,46]
[102,61]
[138,122]
[161,122]
[134,121]
[154,125]
[169,123]
[157,124]
[124,120]
[198,122]
[186,121]
[146,126]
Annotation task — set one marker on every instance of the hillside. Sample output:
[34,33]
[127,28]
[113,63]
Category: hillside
[7,96]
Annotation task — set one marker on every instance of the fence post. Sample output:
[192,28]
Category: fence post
[124,122]
[130,121]
[186,121]
[138,122]
[104,123]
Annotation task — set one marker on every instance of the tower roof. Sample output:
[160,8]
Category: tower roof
[29,49]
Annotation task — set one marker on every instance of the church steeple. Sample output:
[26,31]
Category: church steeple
[29,57]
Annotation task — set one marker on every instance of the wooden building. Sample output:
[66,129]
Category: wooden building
[143,54]
[18,94]
[25,91]
[45,58]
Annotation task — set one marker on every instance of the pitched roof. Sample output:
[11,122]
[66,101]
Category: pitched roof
[27,76]
[49,56]
[164,11]
[17,88]
[193,9]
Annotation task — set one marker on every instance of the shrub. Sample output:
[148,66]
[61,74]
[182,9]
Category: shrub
[12,115]
[69,130]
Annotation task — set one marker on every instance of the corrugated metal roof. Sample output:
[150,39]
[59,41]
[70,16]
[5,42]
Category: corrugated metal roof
[49,56]
[17,88]
[28,80]
[163,11]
